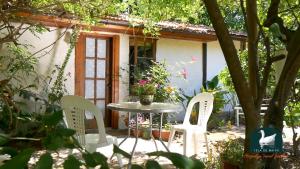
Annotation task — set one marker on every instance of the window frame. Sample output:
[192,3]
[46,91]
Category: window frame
[136,42]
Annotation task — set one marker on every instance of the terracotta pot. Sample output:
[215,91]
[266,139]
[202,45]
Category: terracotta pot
[164,134]
[227,165]
[134,133]
[146,99]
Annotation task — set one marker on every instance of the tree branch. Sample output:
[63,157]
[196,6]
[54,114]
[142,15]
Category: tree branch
[272,17]
[53,43]
[244,13]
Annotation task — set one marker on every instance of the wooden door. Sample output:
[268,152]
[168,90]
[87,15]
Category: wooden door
[94,58]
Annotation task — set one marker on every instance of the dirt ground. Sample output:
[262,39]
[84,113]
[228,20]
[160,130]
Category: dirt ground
[145,146]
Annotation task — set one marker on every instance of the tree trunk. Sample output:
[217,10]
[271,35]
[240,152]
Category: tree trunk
[275,114]
[239,81]
[296,143]
[251,11]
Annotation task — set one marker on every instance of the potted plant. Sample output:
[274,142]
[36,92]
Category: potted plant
[231,153]
[165,132]
[143,127]
[145,89]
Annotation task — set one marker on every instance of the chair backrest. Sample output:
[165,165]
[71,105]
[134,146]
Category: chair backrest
[236,100]
[205,101]
[75,108]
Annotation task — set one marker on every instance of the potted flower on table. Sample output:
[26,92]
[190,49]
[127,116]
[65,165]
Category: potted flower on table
[146,90]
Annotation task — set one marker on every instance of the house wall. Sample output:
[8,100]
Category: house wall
[54,55]
[124,76]
[47,59]
[180,56]
[215,58]
[216,63]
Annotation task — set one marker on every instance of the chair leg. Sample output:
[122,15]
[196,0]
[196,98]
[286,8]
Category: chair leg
[195,143]
[237,117]
[119,157]
[184,142]
[206,142]
[172,134]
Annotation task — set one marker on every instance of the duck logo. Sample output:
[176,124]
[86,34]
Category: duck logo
[266,140]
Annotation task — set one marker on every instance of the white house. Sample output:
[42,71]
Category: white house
[97,63]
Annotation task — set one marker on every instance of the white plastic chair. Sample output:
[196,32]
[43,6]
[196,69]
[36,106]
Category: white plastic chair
[239,110]
[75,108]
[205,101]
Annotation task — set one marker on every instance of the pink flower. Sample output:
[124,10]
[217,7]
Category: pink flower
[194,58]
[184,73]
[143,82]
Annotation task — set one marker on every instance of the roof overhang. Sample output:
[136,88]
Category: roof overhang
[125,28]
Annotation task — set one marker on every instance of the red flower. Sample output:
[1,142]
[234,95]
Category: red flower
[143,82]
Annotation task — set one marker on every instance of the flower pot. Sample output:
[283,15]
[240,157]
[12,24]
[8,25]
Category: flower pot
[146,99]
[139,132]
[164,134]
[146,133]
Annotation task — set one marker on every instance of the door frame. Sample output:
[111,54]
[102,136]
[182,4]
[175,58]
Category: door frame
[80,70]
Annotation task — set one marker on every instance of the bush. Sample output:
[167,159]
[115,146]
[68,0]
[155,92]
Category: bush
[231,151]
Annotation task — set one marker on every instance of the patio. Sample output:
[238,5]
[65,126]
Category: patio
[146,146]
[75,75]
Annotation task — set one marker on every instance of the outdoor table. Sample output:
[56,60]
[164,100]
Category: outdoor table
[136,107]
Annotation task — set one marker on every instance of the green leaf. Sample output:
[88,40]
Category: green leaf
[152,164]
[89,160]
[122,152]
[198,164]
[65,132]
[3,139]
[213,83]
[53,142]
[135,166]
[20,161]
[100,159]
[45,162]
[53,119]
[72,163]
[9,150]
[178,160]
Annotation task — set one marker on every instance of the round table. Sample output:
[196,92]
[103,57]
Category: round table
[155,107]
[136,107]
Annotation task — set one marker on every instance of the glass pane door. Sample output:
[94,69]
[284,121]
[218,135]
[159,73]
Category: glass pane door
[96,79]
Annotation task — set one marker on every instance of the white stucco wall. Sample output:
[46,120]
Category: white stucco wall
[215,58]
[51,56]
[124,76]
[54,55]
[57,54]
[179,55]
[216,63]
[182,56]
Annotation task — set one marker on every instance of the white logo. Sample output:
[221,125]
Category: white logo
[266,141]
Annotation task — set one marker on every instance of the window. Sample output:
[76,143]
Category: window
[141,54]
